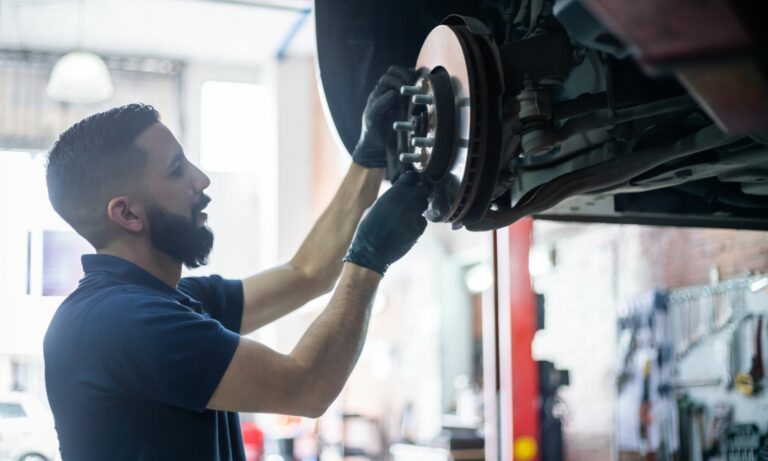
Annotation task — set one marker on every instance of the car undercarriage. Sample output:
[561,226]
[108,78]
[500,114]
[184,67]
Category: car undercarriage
[590,110]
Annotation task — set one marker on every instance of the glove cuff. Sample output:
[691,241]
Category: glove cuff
[365,260]
[365,158]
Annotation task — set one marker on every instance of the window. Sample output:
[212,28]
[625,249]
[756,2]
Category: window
[236,125]
[61,261]
[41,253]
[11,410]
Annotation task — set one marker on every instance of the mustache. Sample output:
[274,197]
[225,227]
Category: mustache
[204,201]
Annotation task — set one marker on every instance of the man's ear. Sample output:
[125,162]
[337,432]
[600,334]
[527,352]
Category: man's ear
[126,214]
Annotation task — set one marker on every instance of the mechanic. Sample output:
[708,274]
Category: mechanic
[141,364]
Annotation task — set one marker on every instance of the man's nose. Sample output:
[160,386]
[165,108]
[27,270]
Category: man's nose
[202,181]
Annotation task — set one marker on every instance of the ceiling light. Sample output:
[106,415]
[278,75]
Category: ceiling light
[80,78]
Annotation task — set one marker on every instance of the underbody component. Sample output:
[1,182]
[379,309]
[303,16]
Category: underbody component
[732,90]
[538,107]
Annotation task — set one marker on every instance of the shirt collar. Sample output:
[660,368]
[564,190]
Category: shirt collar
[129,272]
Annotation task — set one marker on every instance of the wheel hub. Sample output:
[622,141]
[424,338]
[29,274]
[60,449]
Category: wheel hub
[448,122]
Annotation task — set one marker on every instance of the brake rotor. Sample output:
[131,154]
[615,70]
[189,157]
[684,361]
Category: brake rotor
[449,122]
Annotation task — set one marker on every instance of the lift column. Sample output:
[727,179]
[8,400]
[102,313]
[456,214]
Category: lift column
[518,378]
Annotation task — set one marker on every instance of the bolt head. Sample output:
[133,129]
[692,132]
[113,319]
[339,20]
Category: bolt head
[410,157]
[422,99]
[422,142]
[410,90]
[403,125]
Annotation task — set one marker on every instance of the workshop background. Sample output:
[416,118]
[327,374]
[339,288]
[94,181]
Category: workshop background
[656,326]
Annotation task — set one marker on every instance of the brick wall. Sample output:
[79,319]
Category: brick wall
[685,256]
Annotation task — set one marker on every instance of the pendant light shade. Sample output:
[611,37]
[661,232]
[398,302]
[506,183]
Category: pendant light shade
[81,78]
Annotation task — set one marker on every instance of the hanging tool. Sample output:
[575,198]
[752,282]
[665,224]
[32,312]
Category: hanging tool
[742,441]
[722,418]
[749,383]
[756,370]
[645,408]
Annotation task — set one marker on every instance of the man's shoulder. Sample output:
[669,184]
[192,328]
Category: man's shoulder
[99,303]
[211,288]
[200,283]
[97,315]
[112,293]
[221,298]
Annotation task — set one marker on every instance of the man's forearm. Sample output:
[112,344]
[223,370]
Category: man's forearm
[331,346]
[320,255]
[314,269]
[306,381]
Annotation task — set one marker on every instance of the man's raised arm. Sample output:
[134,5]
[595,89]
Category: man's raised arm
[306,381]
[316,266]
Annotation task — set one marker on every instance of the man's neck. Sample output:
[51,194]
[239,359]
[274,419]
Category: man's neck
[150,259]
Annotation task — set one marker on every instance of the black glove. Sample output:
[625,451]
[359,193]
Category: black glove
[392,226]
[379,115]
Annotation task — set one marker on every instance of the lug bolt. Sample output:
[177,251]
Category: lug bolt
[422,99]
[422,142]
[410,90]
[403,126]
[410,157]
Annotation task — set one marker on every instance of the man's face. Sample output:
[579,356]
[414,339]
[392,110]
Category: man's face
[175,199]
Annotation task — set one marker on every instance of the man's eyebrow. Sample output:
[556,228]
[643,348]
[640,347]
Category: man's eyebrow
[177,158]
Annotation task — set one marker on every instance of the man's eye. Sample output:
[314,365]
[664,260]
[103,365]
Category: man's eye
[176,172]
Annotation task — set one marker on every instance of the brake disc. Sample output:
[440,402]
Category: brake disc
[453,128]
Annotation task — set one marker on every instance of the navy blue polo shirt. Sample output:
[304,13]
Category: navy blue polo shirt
[130,364]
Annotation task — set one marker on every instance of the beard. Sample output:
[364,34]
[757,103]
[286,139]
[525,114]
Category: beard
[178,236]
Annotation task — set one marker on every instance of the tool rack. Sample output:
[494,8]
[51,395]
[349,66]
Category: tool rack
[718,334]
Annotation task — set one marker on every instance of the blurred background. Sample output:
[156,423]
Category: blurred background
[236,82]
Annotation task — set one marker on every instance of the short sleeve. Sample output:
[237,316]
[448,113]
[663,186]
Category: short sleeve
[159,350]
[221,298]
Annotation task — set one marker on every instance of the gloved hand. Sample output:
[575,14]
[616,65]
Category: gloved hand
[379,115]
[392,226]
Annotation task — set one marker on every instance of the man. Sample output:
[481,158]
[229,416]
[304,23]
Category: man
[143,365]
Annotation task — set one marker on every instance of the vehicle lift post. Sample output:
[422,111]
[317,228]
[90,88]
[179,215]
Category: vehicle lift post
[517,374]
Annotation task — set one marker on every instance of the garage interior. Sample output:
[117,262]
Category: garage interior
[621,318]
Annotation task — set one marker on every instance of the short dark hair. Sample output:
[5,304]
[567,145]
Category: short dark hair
[94,161]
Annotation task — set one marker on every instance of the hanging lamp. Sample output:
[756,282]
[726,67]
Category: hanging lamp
[80,77]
